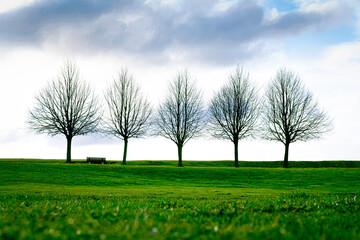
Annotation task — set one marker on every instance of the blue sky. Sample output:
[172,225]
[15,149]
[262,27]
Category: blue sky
[283,5]
[318,39]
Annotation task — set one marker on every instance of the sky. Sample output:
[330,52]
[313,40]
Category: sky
[317,39]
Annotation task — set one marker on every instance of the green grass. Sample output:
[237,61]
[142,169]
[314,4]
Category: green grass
[42,199]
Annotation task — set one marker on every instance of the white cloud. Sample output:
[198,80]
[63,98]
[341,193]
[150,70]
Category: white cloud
[332,77]
[321,6]
[9,5]
[129,18]
[271,15]
[224,5]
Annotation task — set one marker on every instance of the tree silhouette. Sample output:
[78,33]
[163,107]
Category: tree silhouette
[290,113]
[128,111]
[66,106]
[233,111]
[181,116]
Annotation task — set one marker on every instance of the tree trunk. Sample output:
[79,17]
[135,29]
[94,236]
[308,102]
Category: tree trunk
[236,145]
[125,151]
[68,150]
[286,156]
[180,155]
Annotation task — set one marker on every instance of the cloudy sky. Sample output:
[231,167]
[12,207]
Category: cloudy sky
[318,39]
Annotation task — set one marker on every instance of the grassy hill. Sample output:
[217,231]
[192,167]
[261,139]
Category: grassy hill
[41,199]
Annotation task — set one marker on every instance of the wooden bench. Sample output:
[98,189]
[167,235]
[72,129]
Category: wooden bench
[95,160]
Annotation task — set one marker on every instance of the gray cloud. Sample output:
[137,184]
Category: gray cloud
[196,30]
[30,24]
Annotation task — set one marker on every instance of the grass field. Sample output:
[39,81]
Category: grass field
[48,199]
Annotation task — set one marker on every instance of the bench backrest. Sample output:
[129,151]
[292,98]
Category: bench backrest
[95,160]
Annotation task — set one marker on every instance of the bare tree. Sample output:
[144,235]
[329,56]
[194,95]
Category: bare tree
[290,113]
[233,111]
[128,111]
[181,117]
[66,106]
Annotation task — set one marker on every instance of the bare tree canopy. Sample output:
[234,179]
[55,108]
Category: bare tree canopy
[66,106]
[128,111]
[181,116]
[290,113]
[233,111]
